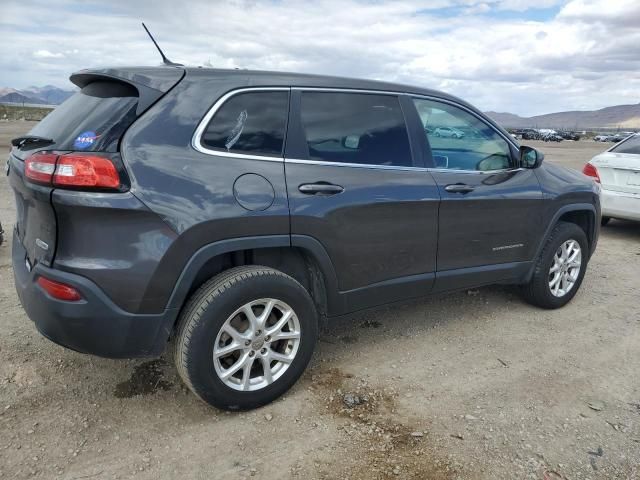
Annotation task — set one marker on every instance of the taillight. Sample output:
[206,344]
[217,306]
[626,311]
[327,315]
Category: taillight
[74,170]
[39,167]
[59,290]
[591,171]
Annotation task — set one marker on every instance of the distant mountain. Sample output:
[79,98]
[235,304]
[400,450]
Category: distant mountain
[16,97]
[619,116]
[47,95]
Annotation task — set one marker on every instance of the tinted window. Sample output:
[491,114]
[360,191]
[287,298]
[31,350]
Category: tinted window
[461,141]
[631,145]
[355,128]
[252,123]
[94,119]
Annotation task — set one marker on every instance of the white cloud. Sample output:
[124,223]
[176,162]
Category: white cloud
[47,54]
[582,58]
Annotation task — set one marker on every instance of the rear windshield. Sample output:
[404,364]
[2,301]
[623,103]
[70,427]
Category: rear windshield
[94,119]
[630,145]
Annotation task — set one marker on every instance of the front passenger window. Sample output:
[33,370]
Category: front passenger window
[460,140]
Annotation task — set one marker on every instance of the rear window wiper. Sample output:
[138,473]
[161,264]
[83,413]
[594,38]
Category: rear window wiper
[31,141]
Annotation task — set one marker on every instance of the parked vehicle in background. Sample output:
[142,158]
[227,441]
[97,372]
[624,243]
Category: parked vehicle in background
[551,137]
[602,137]
[448,132]
[529,134]
[618,172]
[569,135]
[231,210]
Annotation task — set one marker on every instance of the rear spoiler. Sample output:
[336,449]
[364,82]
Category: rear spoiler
[151,82]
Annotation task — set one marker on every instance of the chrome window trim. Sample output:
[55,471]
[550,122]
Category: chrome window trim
[202,125]
[353,165]
[196,140]
[395,167]
[509,140]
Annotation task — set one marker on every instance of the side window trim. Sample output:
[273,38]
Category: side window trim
[429,154]
[196,140]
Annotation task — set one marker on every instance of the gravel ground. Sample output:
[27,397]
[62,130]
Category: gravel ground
[472,385]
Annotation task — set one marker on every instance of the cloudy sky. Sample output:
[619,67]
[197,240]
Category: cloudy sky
[525,57]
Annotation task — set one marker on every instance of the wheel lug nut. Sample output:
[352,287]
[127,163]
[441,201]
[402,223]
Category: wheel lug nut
[258,332]
[247,342]
[267,338]
[252,353]
[263,351]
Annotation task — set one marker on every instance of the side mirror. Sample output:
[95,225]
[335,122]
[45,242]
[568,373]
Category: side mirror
[530,157]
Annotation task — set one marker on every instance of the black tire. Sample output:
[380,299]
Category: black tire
[604,220]
[537,291]
[206,312]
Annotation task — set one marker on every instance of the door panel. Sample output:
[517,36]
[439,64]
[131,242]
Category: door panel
[380,227]
[356,185]
[499,221]
[490,211]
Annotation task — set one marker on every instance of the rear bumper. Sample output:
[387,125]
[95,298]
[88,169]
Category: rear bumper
[93,325]
[620,205]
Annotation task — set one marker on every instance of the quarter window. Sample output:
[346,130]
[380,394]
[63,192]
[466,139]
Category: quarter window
[252,123]
[355,128]
[460,140]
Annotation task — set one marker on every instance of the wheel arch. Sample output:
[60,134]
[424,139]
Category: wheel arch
[582,214]
[299,256]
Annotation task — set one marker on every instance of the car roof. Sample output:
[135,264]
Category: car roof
[162,77]
[151,75]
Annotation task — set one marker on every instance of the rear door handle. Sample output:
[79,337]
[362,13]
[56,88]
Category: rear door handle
[459,188]
[320,189]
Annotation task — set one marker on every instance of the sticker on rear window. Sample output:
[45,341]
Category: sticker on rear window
[85,140]
[234,136]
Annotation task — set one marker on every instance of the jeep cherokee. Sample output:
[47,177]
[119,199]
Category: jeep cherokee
[231,210]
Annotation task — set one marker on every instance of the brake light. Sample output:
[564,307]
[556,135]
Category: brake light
[75,170]
[39,167]
[59,290]
[72,170]
[591,171]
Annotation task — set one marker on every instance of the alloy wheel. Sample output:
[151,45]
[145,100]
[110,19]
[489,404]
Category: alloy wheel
[256,344]
[565,270]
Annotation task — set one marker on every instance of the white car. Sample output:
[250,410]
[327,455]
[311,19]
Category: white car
[618,172]
[448,132]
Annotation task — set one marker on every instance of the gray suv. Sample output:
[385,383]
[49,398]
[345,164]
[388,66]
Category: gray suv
[230,211]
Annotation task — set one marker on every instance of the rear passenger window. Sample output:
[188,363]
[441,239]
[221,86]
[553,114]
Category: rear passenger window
[252,123]
[355,128]
[631,145]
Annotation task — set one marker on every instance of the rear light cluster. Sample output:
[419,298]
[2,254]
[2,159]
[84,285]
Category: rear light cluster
[72,170]
[591,171]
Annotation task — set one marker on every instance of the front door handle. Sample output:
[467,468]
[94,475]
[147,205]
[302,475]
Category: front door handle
[459,188]
[320,189]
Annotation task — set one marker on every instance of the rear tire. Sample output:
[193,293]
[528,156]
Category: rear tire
[604,220]
[224,327]
[555,279]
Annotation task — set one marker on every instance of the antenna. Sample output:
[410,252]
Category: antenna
[165,60]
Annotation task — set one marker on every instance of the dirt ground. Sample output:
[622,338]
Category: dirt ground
[472,385]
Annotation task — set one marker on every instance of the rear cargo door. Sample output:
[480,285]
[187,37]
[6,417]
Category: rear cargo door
[92,120]
[619,168]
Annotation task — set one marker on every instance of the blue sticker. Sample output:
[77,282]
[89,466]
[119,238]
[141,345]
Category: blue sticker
[85,140]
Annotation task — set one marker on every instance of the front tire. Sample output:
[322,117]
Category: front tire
[245,337]
[560,267]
